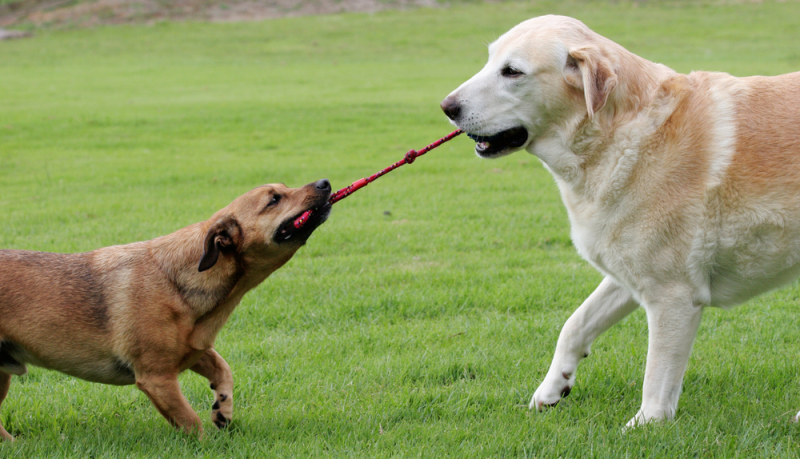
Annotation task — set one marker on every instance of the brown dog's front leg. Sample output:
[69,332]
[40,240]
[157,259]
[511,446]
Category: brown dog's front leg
[165,393]
[214,368]
[5,382]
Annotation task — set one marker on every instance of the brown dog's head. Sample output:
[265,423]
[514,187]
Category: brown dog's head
[258,226]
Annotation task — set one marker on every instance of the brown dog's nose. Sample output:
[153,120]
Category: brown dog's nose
[451,107]
[323,185]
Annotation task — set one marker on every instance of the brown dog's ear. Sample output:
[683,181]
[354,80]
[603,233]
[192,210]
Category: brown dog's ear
[223,235]
[587,69]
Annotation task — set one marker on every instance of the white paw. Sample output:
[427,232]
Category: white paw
[797,418]
[552,389]
[647,417]
[636,421]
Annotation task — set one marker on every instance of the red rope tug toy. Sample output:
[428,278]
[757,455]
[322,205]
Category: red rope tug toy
[347,191]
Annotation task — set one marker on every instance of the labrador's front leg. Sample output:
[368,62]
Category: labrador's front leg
[606,306]
[672,320]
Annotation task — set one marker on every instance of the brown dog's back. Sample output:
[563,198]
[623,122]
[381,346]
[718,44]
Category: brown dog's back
[59,303]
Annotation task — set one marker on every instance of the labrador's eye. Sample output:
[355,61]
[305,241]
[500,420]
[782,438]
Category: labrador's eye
[510,72]
[276,198]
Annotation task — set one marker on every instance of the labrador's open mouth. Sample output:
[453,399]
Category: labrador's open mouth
[287,232]
[502,142]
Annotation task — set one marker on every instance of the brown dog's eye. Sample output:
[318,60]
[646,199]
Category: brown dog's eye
[510,72]
[276,198]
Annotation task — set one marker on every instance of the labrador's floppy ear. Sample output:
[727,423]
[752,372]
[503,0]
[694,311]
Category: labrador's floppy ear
[587,69]
[223,235]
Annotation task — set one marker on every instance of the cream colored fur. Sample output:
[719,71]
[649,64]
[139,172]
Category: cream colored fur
[683,190]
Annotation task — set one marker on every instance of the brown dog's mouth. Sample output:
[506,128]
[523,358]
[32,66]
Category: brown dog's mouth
[287,231]
[500,143]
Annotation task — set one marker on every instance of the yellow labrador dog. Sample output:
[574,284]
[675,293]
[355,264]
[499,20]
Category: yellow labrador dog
[144,312]
[683,190]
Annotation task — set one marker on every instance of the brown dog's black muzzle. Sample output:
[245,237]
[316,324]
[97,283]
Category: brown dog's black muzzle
[320,193]
[323,185]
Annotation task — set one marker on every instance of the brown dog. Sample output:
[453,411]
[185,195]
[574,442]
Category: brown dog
[144,312]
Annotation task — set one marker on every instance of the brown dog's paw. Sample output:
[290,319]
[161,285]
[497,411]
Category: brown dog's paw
[221,421]
[222,411]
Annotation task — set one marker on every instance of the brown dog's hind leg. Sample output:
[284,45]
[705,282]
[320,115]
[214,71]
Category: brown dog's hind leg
[165,393]
[5,382]
[214,368]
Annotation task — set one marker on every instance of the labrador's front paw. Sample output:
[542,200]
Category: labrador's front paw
[554,387]
[649,416]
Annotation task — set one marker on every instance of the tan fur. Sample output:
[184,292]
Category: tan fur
[683,190]
[142,313]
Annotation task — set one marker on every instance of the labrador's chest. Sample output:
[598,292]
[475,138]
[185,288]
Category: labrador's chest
[596,235]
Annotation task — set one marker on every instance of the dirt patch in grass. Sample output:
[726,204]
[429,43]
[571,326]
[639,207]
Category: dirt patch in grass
[76,13]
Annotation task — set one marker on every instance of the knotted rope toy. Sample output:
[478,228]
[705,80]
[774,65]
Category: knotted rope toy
[361,183]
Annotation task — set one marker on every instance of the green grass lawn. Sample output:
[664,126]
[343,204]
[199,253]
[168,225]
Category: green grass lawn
[419,320]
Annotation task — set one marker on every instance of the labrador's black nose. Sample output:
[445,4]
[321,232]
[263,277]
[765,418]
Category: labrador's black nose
[323,185]
[451,107]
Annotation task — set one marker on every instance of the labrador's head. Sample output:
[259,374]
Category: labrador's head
[257,228]
[546,73]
